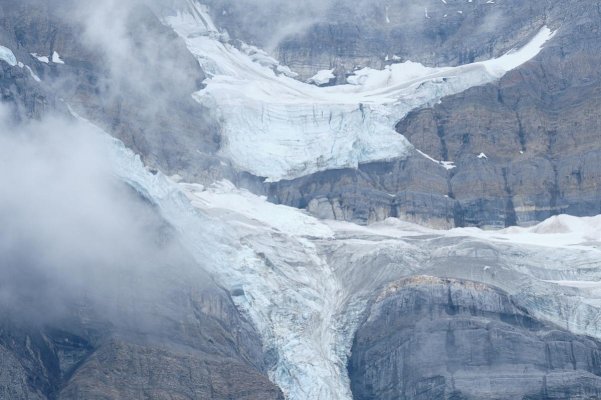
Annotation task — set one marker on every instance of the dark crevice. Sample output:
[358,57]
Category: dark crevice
[554,192]
[510,214]
[458,215]
[521,133]
[444,151]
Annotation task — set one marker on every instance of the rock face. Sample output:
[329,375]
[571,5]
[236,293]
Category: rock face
[415,189]
[525,148]
[218,358]
[541,146]
[433,338]
[340,35]
[135,80]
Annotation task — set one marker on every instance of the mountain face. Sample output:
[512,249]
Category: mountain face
[527,124]
[153,326]
[221,199]
[446,339]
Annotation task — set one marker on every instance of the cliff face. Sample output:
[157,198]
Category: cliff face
[427,338]
[134,80]
[524,148]
[214,354]
[342,36]
[536,127]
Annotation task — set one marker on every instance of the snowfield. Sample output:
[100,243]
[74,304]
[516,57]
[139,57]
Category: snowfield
[280,128]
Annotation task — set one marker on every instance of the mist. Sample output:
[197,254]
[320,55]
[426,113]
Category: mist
[74,237]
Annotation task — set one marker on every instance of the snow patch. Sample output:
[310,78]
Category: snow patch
[322,77]
[225,196]
[56,58]
[514,58]
[43,59]
[33,75]
[8,56]
[261,57]
[557,231]
[448,165]
[579,284]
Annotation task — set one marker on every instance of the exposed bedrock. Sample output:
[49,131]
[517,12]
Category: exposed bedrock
[135,80]
[315,36]
[525,148]
[214,354]
[435,338]
[536,130]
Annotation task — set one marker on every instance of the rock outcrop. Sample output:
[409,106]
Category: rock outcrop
[435,338]
[135,80]
[215,355]
[525,148]
[343,36]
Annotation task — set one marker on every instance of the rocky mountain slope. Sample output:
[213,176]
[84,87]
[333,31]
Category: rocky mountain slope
[431,338]
[510,135]
[524,147]
[155,326]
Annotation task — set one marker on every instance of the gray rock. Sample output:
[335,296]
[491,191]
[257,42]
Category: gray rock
[317,35]
[436,338]
[537,127]
[138,89]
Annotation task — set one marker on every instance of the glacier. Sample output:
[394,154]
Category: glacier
[278,128]
[305,282]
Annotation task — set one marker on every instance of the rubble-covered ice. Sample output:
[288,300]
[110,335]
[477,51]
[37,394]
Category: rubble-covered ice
[280,128]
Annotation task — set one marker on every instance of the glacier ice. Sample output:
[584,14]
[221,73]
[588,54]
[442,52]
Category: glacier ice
[280,128]
[56,58]
[305,282]
[7,55]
